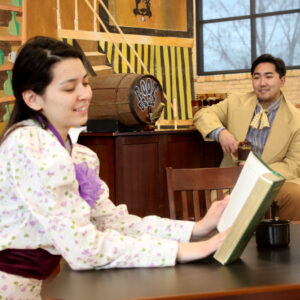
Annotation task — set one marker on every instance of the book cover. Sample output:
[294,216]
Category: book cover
[256,188]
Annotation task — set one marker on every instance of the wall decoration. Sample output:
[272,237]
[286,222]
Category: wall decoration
[143,11]
[13,25]
[7,86]
[151,17]
[171,65]
[1,57]
[16,2]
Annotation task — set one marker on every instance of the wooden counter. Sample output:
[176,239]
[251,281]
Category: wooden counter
[133,164]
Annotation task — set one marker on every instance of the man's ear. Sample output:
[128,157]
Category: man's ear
[32,100]
[282,79]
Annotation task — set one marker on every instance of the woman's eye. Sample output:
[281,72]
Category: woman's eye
[86,83]
[69,90]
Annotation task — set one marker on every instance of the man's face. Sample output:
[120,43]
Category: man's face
[267,83]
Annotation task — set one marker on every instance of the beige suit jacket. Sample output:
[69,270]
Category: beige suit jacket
[282,149]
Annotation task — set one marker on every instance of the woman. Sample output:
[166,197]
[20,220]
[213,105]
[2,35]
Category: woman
[53,203]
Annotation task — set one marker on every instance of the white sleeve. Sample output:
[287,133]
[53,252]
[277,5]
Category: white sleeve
[106,215]
[43,173]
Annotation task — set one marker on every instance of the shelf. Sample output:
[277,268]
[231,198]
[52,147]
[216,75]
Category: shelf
[7,99]
[10,7]
[10,38]
[6,5]
[6,67]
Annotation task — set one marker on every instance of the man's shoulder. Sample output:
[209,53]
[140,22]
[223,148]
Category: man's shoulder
[239,98]
[294,113]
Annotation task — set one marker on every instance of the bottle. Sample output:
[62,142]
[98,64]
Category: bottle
[195,106]
[13,25]
[1,57]
[6,116]
[17,3]
[7,86]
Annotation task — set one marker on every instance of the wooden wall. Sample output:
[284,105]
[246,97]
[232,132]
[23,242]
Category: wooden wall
[41,18]
[42,21]
[166,14]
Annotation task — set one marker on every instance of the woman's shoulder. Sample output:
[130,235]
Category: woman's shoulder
[27,129]
[22,131]
[28,135]
[83,153]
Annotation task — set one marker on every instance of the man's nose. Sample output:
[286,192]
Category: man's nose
[262,81]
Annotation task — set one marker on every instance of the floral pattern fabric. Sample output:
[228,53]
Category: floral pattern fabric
[42,207]
[13,287]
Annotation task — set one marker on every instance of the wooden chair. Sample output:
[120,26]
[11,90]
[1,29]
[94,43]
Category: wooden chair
[190,181]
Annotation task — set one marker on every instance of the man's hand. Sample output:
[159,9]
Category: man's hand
[228,142]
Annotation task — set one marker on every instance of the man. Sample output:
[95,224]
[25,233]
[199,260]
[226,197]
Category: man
[268,121]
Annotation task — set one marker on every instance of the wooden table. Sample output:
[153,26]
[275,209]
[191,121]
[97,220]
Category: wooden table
[260,274]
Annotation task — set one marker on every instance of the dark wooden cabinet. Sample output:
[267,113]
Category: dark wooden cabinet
[133,164]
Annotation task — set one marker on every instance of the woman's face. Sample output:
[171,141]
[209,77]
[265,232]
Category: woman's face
[66,99]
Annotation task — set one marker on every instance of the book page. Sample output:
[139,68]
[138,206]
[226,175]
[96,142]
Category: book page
[251,171]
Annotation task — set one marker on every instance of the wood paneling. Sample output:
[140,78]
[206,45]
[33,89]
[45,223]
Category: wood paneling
[41,18]
[133,164]
[166,14]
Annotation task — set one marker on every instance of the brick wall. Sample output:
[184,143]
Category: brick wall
[229,83]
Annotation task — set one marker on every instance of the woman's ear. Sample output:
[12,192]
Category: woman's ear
[32,100]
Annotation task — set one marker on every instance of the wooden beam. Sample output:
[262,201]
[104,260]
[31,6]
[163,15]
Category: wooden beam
[163,122]
[133,38]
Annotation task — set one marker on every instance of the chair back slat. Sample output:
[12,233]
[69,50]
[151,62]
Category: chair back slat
[171,194]
[185,209]
[207,195]
[197,212]
[220,194]
[190,181]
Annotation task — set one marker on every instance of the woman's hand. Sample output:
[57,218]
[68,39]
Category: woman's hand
[197,250]
[209,222]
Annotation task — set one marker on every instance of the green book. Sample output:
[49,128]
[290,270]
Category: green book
[255,190]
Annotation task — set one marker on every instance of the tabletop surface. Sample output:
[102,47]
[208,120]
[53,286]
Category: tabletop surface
[257,267]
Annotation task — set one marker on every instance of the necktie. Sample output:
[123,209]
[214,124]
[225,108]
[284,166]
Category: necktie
[260,120]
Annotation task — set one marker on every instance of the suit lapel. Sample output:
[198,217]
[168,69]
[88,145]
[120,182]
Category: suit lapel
[242,117]
[279,133]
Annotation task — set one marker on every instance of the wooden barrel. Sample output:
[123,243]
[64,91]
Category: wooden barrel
[128,98]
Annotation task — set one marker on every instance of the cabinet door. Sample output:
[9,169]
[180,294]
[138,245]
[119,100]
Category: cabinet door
[104,148]
[189,150]
[139,175]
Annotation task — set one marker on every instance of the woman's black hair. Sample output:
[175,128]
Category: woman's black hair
[32,71]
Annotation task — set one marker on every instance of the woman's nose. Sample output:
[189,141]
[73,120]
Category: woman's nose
[85,92]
